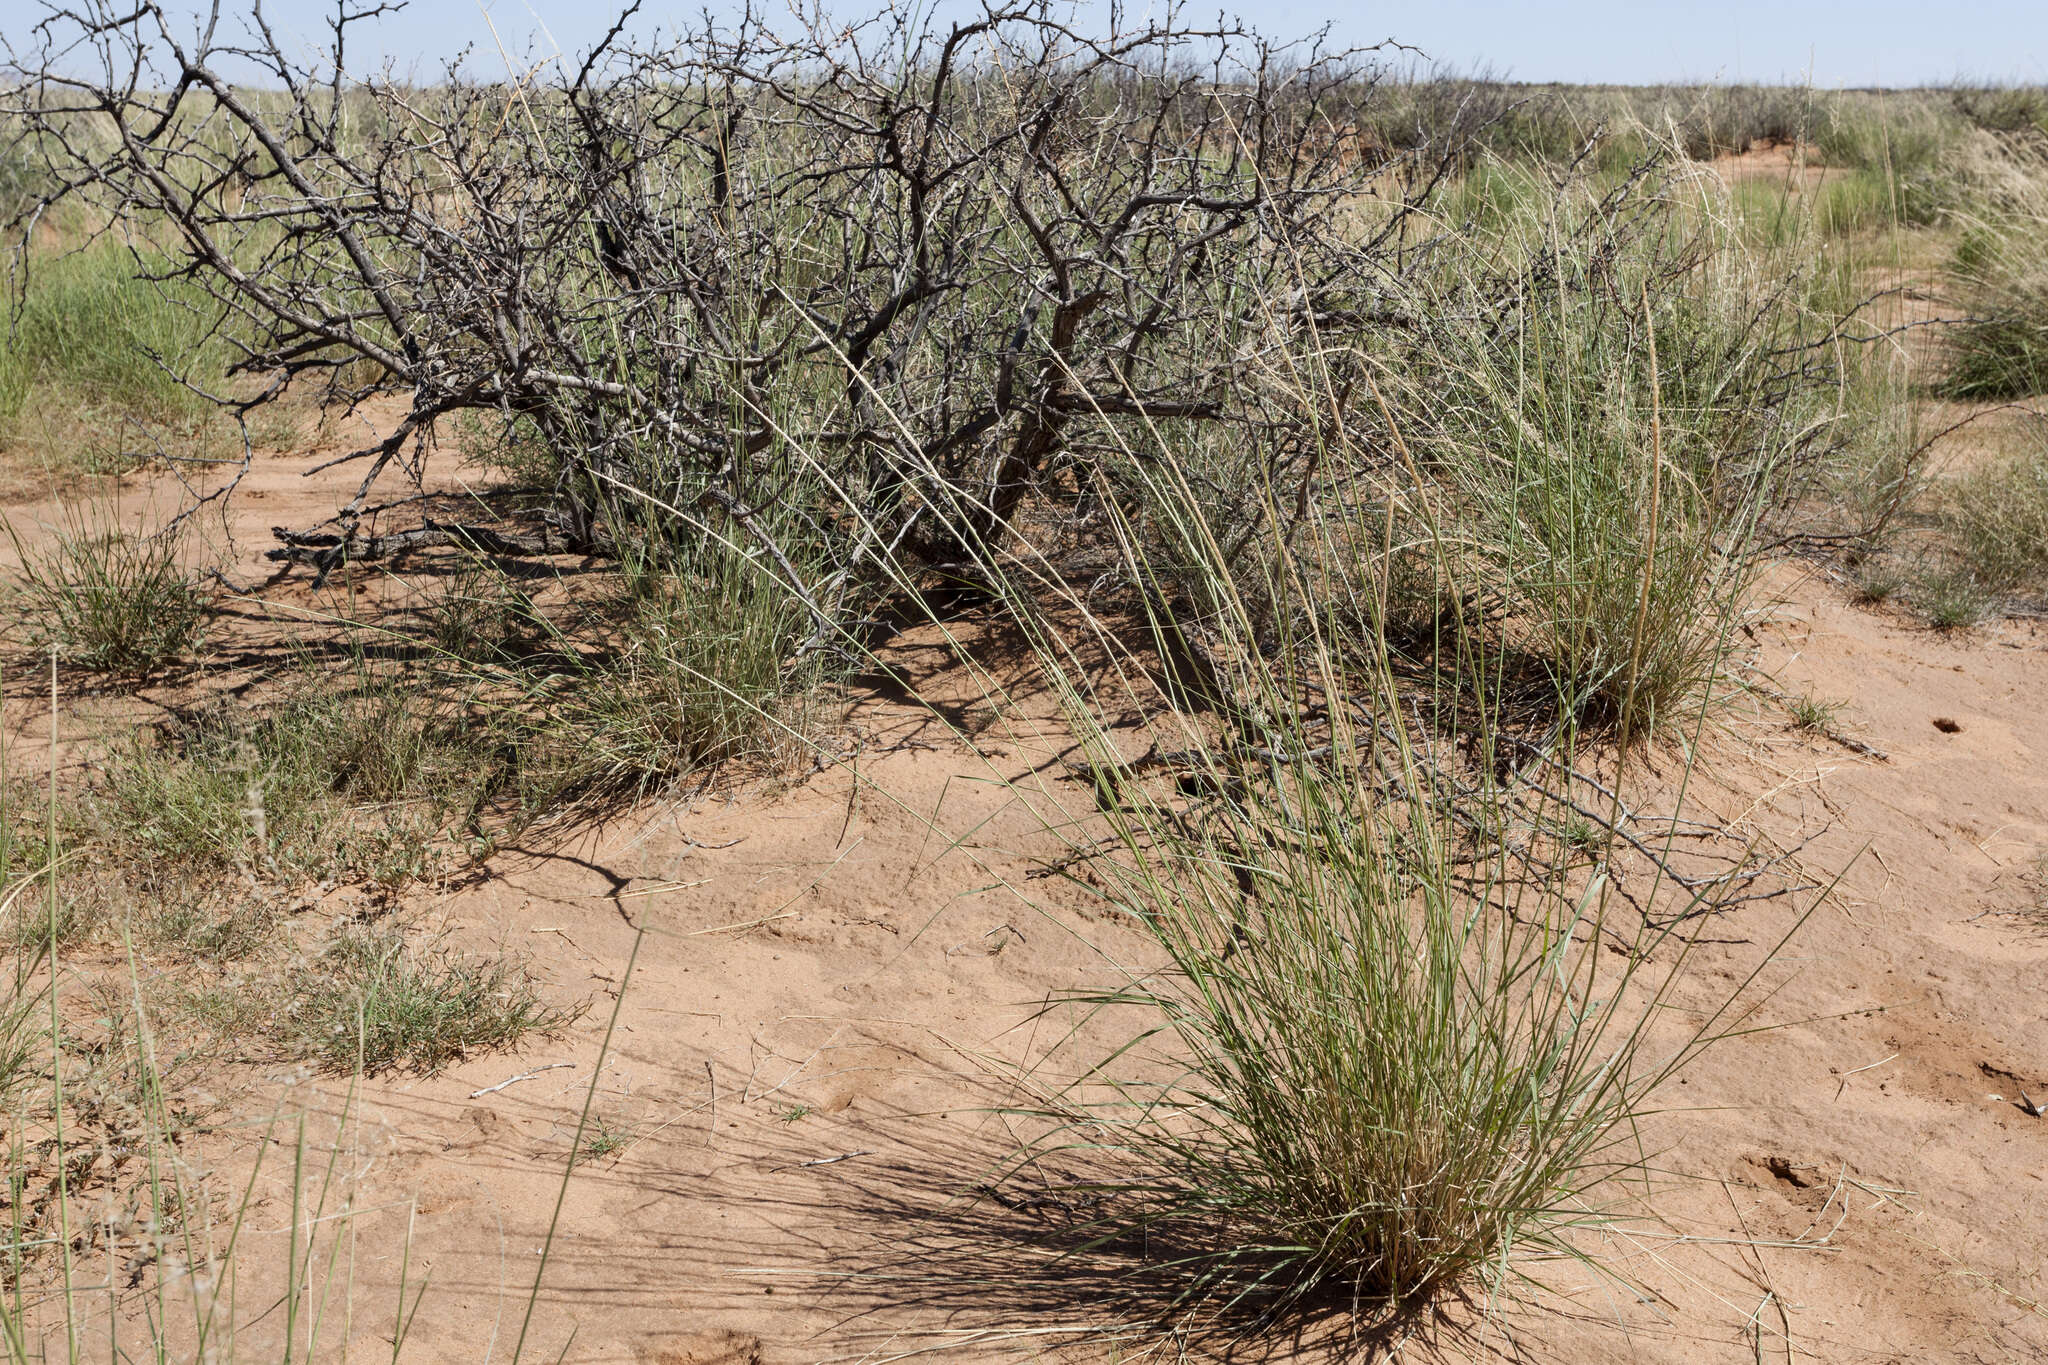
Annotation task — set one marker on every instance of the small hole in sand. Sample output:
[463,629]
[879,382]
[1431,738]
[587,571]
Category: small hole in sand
[1947,726]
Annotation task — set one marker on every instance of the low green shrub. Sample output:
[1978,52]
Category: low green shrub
[2003,108]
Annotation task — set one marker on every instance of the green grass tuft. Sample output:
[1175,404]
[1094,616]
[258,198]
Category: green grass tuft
[2000,273]
[1385,1059]
[2002,356]
[111,602]
[1809,712]
[1876,583]
[695,673]
[357,783]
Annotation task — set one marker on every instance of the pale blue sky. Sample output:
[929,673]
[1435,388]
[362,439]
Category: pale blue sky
[1835,42]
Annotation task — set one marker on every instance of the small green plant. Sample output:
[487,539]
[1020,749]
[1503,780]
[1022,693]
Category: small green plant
[374,1000]
[190,1270]
[600,1139]
[793,1113]
[109,601]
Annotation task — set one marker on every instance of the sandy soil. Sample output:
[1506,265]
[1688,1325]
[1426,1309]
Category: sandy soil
[827,972]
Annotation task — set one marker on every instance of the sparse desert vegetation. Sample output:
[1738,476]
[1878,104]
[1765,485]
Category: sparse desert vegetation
[1079,693]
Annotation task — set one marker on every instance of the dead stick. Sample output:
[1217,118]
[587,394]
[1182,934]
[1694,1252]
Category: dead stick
[522,1076]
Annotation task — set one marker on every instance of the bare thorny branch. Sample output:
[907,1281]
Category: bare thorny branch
[750,258]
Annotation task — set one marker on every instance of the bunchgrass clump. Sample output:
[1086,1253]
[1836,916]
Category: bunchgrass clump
[1997,515]
[1387,1055]
[1591,454]
[1382,1063]
[1875,582]
[1858,201]
[2000,274]
[109,601]
[1871,487]
[2004,355]
[696,671]
[1899,156]
[480,615]
[1951,598]
[1379,1088]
